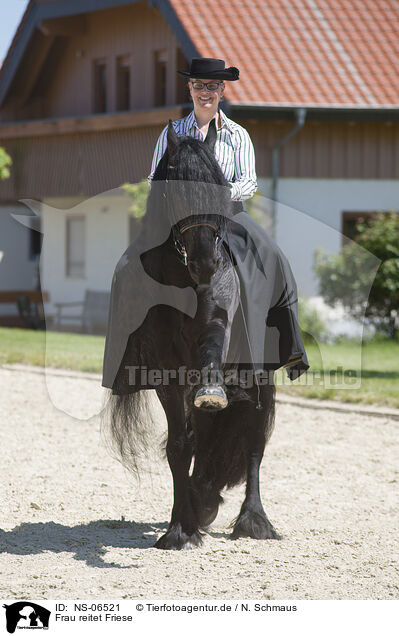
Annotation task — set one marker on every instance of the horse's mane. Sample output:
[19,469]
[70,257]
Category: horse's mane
[195,184]
[193,160]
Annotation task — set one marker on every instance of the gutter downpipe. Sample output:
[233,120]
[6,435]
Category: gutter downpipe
[300,114]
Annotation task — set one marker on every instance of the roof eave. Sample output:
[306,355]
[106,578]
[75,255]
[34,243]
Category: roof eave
[315,112]
[181,35]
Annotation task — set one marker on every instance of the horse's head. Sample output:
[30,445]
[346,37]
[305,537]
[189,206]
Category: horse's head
[200,246]
[199,200]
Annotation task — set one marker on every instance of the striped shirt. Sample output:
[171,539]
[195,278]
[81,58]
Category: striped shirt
[233,150]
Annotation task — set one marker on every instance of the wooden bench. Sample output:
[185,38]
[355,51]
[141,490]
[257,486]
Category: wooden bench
[94,315]
[30,307]
[35,295]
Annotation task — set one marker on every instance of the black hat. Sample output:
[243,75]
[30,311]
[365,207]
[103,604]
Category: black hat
[210,68]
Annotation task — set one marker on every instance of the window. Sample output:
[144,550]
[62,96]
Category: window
[123,82]
[75,246]
[35,238]
[182,92]
[100,86]
[160,61]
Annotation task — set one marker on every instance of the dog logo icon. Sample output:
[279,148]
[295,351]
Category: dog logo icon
[26,615]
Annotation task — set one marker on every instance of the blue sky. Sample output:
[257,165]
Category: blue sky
[11,12]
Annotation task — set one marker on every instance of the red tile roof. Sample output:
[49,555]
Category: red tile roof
[321,52]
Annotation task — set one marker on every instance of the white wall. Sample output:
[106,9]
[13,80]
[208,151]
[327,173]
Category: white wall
[107,225]
[17,271]
[309,214]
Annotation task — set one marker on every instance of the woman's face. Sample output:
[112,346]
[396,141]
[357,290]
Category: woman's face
[206,101]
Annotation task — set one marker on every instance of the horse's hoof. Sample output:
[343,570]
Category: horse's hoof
[208,516]
[210,511]
[254,525]
[211,397]
[176,539]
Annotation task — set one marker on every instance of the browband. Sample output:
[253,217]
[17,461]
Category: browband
[196,225]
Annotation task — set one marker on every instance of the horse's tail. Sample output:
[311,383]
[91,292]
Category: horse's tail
[126,423]
[221,446]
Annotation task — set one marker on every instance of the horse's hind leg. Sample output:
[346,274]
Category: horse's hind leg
[183,532]
[252,520]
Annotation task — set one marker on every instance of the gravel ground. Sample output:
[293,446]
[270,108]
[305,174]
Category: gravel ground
[75,525]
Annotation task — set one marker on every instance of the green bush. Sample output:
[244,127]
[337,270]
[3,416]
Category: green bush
[5,162]
[254,207]
[310,322]
[345,276]
[138,193]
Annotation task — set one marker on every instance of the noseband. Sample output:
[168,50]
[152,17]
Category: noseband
[179,242]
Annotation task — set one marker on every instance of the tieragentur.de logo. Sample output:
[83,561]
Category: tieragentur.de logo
[26,615]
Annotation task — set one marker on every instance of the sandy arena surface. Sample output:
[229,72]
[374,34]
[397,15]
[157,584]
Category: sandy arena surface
[75,525]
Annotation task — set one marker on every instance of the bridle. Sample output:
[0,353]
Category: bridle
[177,232]
[178,240]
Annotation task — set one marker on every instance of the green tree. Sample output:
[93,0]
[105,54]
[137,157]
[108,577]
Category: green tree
[5,162]
[254,207]
[138,193]
[345,276]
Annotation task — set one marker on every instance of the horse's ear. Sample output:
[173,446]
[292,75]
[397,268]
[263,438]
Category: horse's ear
[212,134]
[172,138]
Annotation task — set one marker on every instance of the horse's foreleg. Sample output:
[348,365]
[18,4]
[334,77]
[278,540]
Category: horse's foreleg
[252,520]
[205,490]
[212,394]
[210,345]
[183,532]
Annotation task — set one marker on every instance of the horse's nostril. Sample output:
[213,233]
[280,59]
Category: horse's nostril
[203,271]
[193,267]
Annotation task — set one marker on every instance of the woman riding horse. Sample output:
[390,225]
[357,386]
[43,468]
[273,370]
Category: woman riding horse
[202,289]
[235,155]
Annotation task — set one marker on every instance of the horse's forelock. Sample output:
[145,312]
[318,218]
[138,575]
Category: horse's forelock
[195,161]
[195,168]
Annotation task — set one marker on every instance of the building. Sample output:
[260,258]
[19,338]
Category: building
[87,87]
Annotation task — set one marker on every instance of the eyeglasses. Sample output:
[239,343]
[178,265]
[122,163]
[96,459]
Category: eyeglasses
[210,86]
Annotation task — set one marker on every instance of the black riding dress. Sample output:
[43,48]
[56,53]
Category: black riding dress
[265,327]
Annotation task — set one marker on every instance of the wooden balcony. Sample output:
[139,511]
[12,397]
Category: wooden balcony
[91,123]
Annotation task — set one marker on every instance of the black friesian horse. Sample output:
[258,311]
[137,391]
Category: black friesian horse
[223,427]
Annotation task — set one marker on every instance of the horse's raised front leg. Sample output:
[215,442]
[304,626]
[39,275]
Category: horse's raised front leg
[252,520]
[212,394]
[183,532]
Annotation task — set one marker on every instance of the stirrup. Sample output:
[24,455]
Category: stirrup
[212,397]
